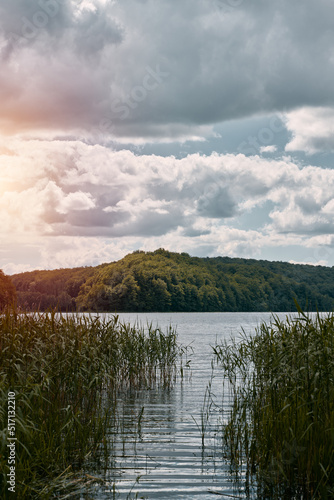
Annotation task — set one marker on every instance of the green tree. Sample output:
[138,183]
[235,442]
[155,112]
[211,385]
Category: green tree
[7,291]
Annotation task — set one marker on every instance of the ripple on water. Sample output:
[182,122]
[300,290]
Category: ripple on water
[164,458]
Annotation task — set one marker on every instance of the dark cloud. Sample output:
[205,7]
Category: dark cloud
[308,205]
[119,224]
[151,223]
[216,203]
[193,232]
[51,57]
[49,26]
[159,69]
[97,219]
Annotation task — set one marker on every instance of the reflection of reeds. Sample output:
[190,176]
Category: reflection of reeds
[66,372]
[279,428]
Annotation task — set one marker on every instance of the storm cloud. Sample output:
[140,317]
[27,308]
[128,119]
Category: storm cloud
[159,70]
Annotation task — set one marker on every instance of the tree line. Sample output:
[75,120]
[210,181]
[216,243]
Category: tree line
[167,281]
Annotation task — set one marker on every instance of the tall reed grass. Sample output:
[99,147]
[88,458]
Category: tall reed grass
[279,428]
[67,372]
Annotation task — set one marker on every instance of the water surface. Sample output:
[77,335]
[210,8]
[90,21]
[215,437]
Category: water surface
[163,458]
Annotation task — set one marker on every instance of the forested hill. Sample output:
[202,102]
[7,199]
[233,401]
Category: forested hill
[166,281]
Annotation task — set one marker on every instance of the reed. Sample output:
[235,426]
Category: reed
[67,372]
[279,427]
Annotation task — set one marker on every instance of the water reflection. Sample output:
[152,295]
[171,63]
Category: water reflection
[157,450]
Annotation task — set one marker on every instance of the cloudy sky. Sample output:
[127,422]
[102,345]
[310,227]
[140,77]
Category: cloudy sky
[204,126]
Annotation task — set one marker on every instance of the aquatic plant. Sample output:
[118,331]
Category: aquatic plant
[66,372]
[279,427]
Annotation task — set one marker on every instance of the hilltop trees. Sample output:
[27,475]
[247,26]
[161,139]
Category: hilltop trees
[167,281]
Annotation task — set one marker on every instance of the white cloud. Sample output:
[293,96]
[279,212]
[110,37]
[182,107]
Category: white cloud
[74,188]
[310,263]
[268,149]
[74,192]
[12,268]
[312,129]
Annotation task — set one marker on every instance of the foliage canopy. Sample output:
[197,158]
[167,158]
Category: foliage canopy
[168,281]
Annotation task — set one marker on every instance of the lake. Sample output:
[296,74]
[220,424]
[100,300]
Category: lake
[164,457]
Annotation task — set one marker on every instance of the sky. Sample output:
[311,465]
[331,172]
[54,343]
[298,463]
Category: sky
[199,126]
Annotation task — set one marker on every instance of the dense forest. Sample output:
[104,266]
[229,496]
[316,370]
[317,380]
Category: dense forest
[167,281]
[56,289]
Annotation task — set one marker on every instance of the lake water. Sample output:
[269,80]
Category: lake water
[164,458]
